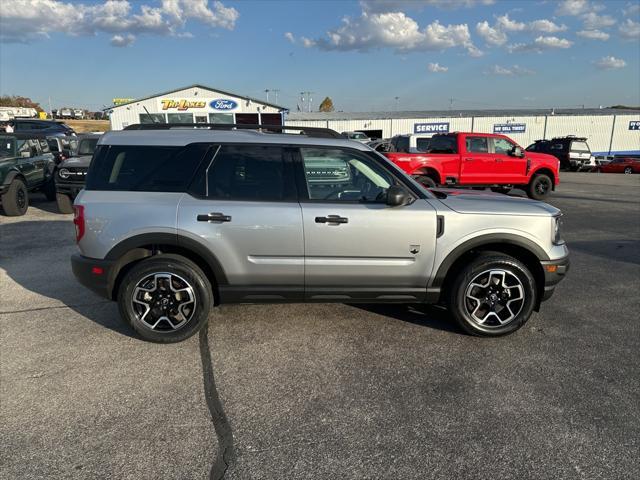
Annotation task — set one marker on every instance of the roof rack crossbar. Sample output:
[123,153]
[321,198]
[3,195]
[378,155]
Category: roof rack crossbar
[308,131]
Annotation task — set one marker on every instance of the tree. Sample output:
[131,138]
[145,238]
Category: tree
[326,105]
[17,101]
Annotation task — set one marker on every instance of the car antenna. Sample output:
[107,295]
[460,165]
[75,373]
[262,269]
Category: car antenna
[152,119]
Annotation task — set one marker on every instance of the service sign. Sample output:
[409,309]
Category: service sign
[181,104]
[431,127]
[509,128]
[634,125]
[223,104]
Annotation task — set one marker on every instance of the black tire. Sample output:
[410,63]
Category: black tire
[64,202]
[425,180]
[503,190]
[15,200]
[540,187]
[462,307]
[183,273]
[628,171]
[49,190]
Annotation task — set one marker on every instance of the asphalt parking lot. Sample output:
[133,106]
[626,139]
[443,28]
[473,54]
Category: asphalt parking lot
[326,391]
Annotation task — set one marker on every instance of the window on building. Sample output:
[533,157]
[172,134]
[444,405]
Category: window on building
[152,118]
[250,172]
[221,118]
[179,117]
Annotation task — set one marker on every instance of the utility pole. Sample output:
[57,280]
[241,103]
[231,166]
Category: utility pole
[309,99]
[267,92]
[275,92]
[396,99]
[451,104]
[50,110]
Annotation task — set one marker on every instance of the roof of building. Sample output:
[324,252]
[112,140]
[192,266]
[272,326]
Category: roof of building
[197,85]
[457,113]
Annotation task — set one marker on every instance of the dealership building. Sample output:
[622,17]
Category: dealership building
[195,104]
[607,130]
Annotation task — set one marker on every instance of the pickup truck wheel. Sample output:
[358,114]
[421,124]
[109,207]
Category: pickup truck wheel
[64,202]
[165,298]
[539,187]
[493,295]
[426,181]
[49,190]
[15,200]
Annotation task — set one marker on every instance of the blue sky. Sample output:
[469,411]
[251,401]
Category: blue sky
[362,54]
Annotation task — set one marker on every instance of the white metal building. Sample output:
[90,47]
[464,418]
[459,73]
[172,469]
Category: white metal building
[196,104]
[608,131]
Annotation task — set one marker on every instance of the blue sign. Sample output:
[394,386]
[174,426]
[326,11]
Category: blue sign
[509,128]
[223,104]
[431,127]
[634,125]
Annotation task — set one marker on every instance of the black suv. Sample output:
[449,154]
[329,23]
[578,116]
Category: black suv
[42,127]
[71,173]
[573,152]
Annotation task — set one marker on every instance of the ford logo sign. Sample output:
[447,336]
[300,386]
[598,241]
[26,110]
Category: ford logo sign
[223,104]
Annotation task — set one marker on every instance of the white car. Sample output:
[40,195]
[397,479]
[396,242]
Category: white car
[357,136]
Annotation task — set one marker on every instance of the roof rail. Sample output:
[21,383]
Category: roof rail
[308,131]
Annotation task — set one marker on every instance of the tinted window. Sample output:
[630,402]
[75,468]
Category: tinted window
[7,147]
[249,172]
[53,145]
[87,146]
[334,174]
[443,144]
[477,144]
[402,144]
[557,146]
[422,144]
[502,146]
[147,169]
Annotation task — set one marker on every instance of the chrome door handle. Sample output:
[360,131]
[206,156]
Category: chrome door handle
[332,219]
[214,217]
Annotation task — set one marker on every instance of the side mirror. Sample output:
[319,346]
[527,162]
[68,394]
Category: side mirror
[396,196]
[517,152]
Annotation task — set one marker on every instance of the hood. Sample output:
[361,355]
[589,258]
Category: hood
[489,203]
[77,162]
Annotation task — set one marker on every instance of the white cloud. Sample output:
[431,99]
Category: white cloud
[123,40]
[27,20]
[629,29]
[307,42]
[490,35]
[573,7]
[631,9]
[503,22]
[546,26]
[541,43]
[514,71]
[289,36]
[610,63]
[594,21]
[593,34]
[394,30]
[437,68]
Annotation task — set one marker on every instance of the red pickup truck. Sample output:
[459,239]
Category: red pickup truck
[480,160]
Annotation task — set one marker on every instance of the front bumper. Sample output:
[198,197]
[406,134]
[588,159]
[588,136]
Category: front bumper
[97,275]
[554,272]
[69,188]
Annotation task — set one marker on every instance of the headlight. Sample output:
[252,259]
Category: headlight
[64,173]
[557,230]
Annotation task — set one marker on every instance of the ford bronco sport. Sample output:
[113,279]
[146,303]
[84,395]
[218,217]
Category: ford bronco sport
[174,220]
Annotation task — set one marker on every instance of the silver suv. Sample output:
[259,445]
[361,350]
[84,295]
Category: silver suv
[175,220]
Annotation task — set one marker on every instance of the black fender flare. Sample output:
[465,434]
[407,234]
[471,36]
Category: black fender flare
[12,175]
[488,239]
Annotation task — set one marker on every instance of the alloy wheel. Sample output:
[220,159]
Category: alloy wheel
[494,298]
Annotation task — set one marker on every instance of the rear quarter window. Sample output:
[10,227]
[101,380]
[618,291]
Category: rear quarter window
[144,168]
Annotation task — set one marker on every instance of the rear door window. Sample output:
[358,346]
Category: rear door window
[477,144]
[422,144]
[144,168]
[443,144]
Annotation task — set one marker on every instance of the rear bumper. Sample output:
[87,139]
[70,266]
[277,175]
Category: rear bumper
[96,275]
[554,273]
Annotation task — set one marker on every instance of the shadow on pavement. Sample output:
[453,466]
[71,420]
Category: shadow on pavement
[418,314]
[626,251]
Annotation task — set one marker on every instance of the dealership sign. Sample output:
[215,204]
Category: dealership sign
[634,125]
[223,104]
[509,128]
[431,127]
[181,104]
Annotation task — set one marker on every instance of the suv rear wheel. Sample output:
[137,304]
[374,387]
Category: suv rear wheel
[15,200]
[540,187]
[64,202]
[165,298]
[493,295]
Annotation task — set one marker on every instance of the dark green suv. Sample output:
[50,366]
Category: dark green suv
[26,165]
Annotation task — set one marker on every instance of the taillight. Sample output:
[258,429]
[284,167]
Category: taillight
[78,221]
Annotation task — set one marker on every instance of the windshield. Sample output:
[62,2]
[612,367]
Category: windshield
[87,146]
[358,136]
[7,147]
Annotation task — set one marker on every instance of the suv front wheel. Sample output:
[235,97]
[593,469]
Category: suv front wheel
[15,200]
[165,298]
[493,295]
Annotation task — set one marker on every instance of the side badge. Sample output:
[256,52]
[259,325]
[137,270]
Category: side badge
[414,248]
